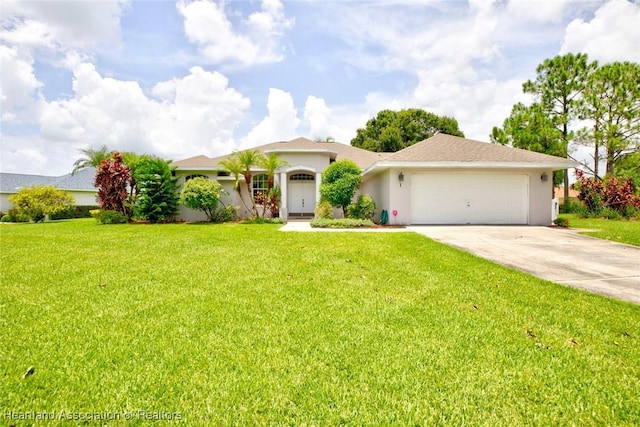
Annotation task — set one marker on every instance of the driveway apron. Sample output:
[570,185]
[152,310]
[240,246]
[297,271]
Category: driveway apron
[559,255]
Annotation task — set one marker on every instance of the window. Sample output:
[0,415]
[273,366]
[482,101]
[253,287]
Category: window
[259,184]
[188,177]
[302,177]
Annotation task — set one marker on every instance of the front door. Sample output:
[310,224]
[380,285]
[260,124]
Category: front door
[302,194]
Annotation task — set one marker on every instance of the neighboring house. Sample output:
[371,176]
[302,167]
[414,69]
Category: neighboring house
[441,180]
[559,193]
[79,185]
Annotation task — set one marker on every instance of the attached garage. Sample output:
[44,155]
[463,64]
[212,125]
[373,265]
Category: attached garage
[469,198]
[450,180]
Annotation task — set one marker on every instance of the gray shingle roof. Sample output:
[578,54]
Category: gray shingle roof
[439,149]
[82,180]
[195,162]
[447,148]
[362,158]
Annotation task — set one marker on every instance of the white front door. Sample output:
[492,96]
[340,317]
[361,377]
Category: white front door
[301,194]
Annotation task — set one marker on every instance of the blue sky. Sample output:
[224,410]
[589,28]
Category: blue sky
[181,78]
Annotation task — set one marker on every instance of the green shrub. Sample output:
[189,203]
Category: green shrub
[341,223]
[74,211]
[561,222]
[15,215]
[631,212]
[340,181]
[324,210]
[41,200]
[109,217]
[226,214]
[364,208]
[202,194]
[157,198]
[609,213]
[574,206]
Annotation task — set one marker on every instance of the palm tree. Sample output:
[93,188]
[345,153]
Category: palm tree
[235,168]
[92,158]
[271,164]
[248,159]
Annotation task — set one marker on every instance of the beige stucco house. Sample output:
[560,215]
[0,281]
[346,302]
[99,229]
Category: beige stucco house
[441,180]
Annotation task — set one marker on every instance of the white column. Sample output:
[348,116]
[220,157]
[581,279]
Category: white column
[283,192]
[318,182]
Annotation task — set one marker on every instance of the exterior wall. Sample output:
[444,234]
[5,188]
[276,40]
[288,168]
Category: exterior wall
[378,188]
[82,198]
[5,204]
[400,196]
[317,162]
[372,188]
[540,197]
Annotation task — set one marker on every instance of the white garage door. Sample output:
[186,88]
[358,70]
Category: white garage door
[469,198]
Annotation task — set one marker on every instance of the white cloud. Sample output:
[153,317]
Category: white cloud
[316,117]
[71,24]
[23,160]
[18,83]
[206,24]
[199,114]
[57,28]
[280,124]
[27,34]
[612,35]
[450,59]
[541,11]
[477,104]
[390,39]
[196,114]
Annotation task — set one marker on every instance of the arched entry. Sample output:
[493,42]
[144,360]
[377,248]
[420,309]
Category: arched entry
[301,194]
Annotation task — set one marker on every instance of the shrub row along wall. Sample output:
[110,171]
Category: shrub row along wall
[75,212]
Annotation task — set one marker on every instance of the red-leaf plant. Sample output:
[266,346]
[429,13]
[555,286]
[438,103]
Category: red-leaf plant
[113,180]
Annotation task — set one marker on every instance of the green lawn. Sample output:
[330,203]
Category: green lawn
[246,325]
[624,231]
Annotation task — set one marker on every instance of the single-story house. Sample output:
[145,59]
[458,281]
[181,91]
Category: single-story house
[441,180]
[79,185]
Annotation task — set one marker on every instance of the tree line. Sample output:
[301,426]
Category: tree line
[582,102]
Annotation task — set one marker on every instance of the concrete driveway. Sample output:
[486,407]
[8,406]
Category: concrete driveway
[559,255]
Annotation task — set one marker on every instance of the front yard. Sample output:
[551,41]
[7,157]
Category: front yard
[625,231]
[245,325]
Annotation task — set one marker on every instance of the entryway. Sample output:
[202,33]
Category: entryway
[301,195]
